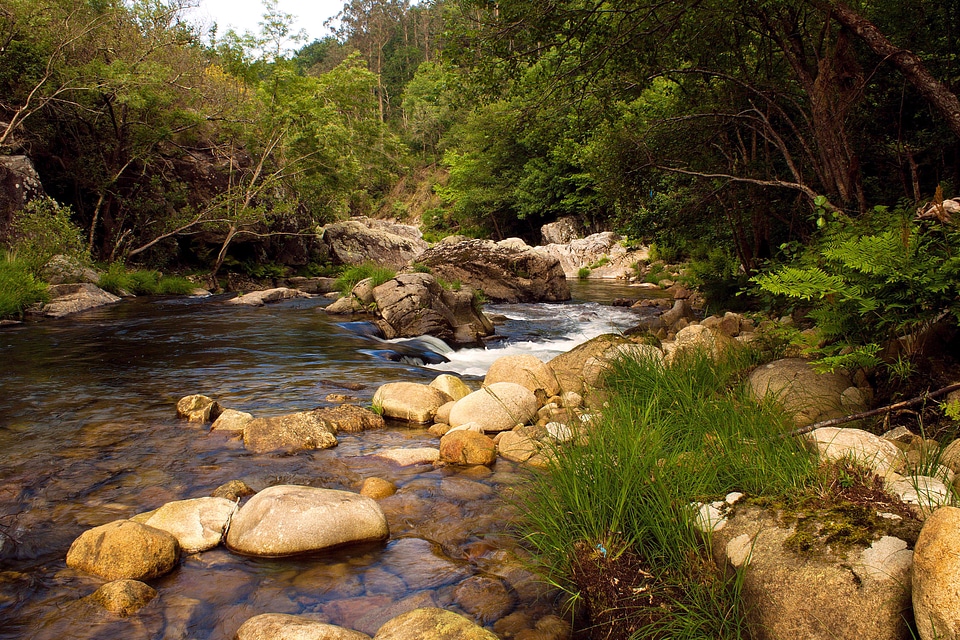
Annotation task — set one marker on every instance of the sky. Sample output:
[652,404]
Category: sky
[243,15]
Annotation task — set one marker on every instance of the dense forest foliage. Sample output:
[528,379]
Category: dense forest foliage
[731,128]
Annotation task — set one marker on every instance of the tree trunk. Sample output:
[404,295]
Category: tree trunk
[909,64]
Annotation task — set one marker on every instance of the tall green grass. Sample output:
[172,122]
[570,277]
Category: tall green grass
[19,288]
[142,282]
[352,275]
[669,436]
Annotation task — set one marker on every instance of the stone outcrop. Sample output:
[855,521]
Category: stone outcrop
[805,394]
[936,576]
[602,253]
[416,304]
[855,594]
[268,296]
[354,242]
[295,431]
[19,184]
[505,271]
[498,407]
[61,269]
[409,401]
[198,408]
[562,231]
[286,520]
[432,624]
[282,626]
[124,549]
[197,524]
[68,299]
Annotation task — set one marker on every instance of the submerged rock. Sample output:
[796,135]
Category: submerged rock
[287,519]
[432,624]
[124,549]
[123,597]
[281,626]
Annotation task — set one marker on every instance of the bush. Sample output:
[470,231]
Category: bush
[583,273]
[670,436]
[352,275]
[41,230]
[117,279]
[19,288]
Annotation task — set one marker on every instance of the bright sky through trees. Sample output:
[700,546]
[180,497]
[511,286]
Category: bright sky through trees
[244,15]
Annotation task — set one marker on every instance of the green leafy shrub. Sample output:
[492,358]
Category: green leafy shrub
[117,279]
[872,281]
[352,275]
[43,229]
[583,273]
[717,275]
[19,288]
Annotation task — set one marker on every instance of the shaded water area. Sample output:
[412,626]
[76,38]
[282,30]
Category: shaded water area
[88,435]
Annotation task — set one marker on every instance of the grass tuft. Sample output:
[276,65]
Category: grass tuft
[671,435]
[142,282]
[352,275]
[19,288]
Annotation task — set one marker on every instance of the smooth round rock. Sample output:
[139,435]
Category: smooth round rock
[123,597]
[377,488]
[197,524]
[467,448]
[281,626]
[936,576]
[407,457]
[432,624]
[498,407]
[232,421]
[409,401]
[288,519]
[526,370]
[451,385]
[124,549]
[484,597]
[877,453]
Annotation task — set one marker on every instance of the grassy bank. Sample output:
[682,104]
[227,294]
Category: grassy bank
[610,521]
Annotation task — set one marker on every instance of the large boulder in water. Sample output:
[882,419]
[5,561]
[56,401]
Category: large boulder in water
[296,431]
[268,296]
[123,597]
[67,299]
[357,241]
[524,369]
[507,271]
[197,524]
[416,304]
[409,401]
[124,549]
[498,407]
[285,520]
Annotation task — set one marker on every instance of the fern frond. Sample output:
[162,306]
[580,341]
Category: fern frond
[877,255]
[807,284]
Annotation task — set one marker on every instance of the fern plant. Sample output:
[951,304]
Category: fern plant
[872,281]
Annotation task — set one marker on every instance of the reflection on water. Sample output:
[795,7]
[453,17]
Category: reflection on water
[89,435]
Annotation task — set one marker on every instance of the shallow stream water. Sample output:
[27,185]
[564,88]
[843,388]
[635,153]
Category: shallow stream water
[88,435]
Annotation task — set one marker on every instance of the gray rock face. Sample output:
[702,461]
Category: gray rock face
[936,576]
[861,593]
[281,626]
[62,269]
[560,232]
[286,520]
[197,524]
[67,299]
[505,272]
[19,184]
[415,304]
[296,431]
[124,549]
[268,296]
[601,252]
[354,242]
[804,393]
[432,624]
[498,407]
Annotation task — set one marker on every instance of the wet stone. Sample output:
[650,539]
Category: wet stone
[484,597]
[420,566]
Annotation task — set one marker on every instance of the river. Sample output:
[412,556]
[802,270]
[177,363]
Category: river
[88,435]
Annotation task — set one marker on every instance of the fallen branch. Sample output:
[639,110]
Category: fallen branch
[875,412]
